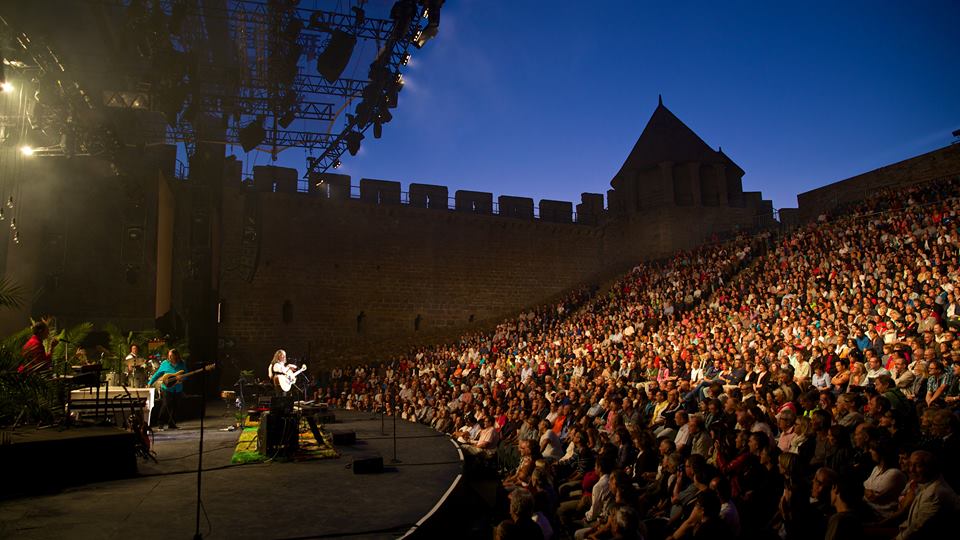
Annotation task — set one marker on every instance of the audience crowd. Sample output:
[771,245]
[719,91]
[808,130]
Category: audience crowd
[804,385]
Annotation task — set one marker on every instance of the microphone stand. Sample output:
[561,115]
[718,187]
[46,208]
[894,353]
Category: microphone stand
[203,412]
[393,398]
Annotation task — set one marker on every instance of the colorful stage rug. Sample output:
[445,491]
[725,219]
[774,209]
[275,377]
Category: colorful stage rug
[308,448]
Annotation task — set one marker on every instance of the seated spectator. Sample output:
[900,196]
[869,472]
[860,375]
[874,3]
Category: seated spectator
[886,482]
[845,497]
[935,503]
[550,446]
[521,523]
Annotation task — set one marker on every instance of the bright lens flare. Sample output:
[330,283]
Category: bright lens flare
[6,87]
[26,150]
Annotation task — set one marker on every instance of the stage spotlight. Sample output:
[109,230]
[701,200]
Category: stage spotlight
[26,150]
[956,133]
[287,118]
[377,130]
[336,165]
[359,16]
[433,23]
[353,142]
[334,59]
[6,87]
[252,135]
[392,94]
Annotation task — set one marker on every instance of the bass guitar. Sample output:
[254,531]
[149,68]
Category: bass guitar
[172,379]
[286,380]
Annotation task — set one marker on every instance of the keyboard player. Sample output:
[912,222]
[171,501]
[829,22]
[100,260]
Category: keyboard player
[36,359]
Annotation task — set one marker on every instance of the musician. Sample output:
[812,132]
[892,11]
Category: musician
[132,363]
[35,355]
[277,367]
[171,394]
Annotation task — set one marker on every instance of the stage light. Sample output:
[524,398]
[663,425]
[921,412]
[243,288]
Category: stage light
[336,165]
[252,135]
[287,118]
[377,130]
[353,142]
[6,87]
[26,150]
[406,59]
[359,16]
[432,13]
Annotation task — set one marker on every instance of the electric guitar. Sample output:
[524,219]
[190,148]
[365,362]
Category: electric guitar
[286,380]
[172,379]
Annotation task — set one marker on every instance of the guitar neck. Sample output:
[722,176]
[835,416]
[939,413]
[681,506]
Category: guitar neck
[194,372]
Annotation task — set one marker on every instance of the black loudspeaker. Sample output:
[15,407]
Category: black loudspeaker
[344,437]
[281,404]
[334,59]
[368,465]
[278,435]
[325,417]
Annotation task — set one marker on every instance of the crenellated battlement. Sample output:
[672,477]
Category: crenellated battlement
[338,187]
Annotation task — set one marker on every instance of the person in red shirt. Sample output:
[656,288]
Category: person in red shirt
[35,356]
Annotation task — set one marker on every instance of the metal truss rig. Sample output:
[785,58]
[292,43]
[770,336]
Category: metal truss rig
[255,96]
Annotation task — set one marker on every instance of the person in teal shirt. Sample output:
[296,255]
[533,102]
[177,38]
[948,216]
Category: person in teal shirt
[171,394]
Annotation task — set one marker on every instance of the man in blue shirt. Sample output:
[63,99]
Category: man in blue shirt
[171,394]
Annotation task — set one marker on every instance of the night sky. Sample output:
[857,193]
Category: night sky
[546,99]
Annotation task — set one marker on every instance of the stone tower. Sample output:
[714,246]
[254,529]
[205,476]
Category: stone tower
[675,191]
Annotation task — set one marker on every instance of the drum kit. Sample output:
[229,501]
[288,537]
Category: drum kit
[134,372]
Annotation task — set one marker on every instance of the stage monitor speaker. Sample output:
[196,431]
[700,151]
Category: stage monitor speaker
[278,435]
[368,465]
[344,437]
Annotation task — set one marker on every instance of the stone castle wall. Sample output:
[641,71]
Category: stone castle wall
[337,277]
[923,168]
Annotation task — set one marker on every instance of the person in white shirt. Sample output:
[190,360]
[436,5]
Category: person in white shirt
[683,429]
[550,445]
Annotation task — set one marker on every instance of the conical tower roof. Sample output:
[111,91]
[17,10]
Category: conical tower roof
[667,138]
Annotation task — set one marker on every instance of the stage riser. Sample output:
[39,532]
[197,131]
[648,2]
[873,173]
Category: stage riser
[44,465]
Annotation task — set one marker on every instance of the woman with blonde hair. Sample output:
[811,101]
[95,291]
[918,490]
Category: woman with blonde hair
[279,366]
[919,385]
[858,377]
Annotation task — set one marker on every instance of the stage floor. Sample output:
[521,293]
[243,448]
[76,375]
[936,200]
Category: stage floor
[266,500]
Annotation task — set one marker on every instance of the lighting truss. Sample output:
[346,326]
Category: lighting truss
[252,93]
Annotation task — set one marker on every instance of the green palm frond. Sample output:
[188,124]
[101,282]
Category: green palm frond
[70,339]
[32,394]
[11,295]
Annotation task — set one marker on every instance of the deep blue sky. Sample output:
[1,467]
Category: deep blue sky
[545,99]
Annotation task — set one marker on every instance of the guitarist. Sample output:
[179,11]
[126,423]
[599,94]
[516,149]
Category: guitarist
[279,366]
[171,394]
